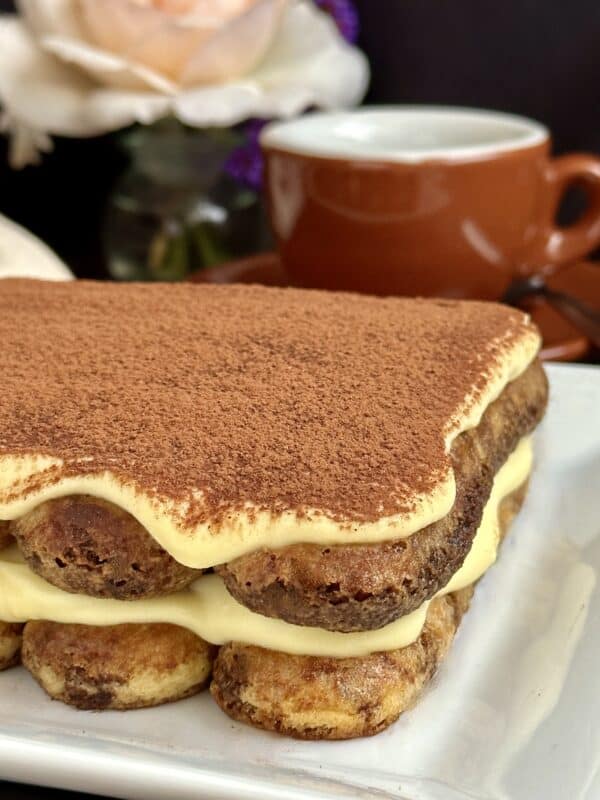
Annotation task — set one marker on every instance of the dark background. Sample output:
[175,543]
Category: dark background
[540,58]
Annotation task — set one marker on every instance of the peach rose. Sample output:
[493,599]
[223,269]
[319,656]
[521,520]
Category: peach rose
[83,67]
[190,42]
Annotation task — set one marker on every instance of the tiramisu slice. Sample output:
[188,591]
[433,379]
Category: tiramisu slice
[312,481]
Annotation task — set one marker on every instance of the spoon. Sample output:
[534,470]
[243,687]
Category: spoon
[584,318]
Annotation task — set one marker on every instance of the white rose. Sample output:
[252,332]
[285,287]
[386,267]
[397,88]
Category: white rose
[84,67]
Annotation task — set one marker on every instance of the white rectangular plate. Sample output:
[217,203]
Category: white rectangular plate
[513,714]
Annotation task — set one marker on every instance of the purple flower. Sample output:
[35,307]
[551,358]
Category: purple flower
[245,163]
[345,16]
[253,128]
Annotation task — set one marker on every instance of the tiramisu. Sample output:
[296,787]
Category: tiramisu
[303,487]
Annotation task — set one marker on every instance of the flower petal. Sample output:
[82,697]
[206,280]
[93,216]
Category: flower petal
[308,64]
[41,93]
[53,17]
[217,105]
[26,143]
[309,56]
[238,47]
[113,25]
[145,34]
[34,87]
[114,108]
[60,26]
[106,68]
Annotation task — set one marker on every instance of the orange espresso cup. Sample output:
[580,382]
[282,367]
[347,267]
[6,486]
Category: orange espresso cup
[422,200]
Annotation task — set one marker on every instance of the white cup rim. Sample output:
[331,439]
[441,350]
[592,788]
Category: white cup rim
[339,135]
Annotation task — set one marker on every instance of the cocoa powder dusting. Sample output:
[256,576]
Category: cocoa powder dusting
[280,398]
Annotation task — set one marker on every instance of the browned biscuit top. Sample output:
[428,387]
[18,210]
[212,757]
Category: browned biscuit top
[89,546]
[116,666]
[310,697]
[225,396]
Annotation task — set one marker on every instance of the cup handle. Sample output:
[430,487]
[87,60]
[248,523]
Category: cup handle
[574,241]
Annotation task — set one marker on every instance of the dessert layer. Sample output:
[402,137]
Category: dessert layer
[226,419]
[207,608]
[10,644]
[116,666]
[327,698]
[357,587]
[85,545]
[5,538]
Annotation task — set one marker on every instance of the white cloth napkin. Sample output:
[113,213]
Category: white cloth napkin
[22,255]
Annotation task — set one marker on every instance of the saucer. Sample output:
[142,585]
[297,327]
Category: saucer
[562,341]
[263,268]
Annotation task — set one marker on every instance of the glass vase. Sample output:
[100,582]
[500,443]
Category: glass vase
[175,210]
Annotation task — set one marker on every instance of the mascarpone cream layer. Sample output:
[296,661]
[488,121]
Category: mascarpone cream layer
[207,608]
